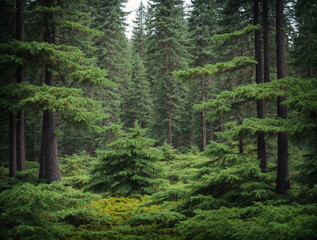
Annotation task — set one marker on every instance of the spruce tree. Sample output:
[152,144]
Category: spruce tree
[166,53]
[112,53]
[202,23]
[127,167]
[138,101]
[282,184]
[21,77]
[259,79]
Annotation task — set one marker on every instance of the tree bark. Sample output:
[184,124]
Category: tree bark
[13,145]
[203,116]
[42,154]
[19,29]
[259,79]
[282,182]
[266,43]
[49,155]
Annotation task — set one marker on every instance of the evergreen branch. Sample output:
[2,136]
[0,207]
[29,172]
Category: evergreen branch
[209,70]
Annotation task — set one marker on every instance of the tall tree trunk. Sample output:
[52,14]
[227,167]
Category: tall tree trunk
[259,79]
[19,30]
[266,43]
[42,154]
[203,115]
[170,133]
[50,171]
[13,145]
[282,183]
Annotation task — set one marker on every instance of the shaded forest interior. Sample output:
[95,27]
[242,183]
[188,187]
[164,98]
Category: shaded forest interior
[201,125]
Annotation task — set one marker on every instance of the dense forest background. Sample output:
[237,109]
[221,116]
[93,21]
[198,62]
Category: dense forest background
[202,125]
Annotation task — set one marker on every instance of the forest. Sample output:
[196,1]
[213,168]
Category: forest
[201,125]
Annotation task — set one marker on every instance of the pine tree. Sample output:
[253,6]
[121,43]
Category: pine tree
[283,184]
[112,53]
[259,79]
[138,32]
[202,23]
[303,54]
[21,77]
[127,167]
[166,53]
[139,104]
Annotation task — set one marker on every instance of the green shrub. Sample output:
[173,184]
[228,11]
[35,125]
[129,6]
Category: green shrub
[46,211]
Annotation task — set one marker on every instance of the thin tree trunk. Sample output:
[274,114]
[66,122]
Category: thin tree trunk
[19,29]
[266,43]
[203,115]
[259,79]
[13,146]
[240,145]
[42,154]
[282,183]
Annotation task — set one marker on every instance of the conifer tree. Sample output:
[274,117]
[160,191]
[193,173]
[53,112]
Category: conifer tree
[49,167]
[127,166]
[202,23]
[166,53]
[138,101]
[259,79]
[21,77]
[303,54]
[283,183]
[112,53]
[138,32]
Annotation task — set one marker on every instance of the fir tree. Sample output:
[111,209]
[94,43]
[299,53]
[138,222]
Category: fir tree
[202,23]
[139,104]
[128,166]
[283,184]
[112,53]
[166,54]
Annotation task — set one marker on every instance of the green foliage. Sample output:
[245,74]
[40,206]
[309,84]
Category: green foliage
[166,52]
[128,167]
[236,34]
[169,153]
[69,102]
[235,64]
[259,221]
[75,170]
[44,211]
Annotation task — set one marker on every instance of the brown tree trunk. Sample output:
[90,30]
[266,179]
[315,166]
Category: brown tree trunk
[42,154]
[13,145]
[266,43]
[203,116]
[282,183]
[49,156]
[259,79]
[19,29]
